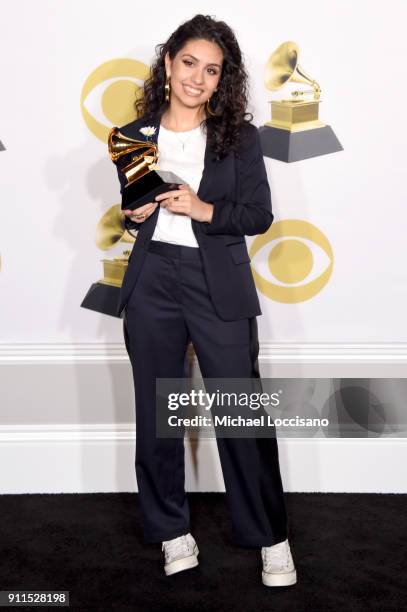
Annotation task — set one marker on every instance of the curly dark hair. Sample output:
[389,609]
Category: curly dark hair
[229,102]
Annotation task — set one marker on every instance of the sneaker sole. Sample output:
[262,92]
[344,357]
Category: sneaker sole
[276,579]
[182,564]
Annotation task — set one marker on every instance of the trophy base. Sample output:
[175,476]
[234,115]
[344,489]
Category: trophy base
[144,190]
[104,299]
[287,146]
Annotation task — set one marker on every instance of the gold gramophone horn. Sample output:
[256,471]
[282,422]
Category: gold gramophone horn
[283,67]
[120,145]
[111,229]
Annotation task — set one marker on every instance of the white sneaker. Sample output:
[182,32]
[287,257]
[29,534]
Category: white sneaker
[278,565]
[180,554]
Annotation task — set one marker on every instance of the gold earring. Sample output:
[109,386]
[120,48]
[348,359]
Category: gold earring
[208,110]
[167,89]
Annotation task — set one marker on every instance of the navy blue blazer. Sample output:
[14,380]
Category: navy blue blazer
[238,188]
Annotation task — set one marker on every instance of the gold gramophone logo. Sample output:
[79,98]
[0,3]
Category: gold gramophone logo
[110,231]
[297,255]
[295,131]
[107,99]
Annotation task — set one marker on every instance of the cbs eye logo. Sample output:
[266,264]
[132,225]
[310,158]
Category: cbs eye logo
[298,253]
[108,95]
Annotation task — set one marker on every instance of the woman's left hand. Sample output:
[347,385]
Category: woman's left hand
[187,203]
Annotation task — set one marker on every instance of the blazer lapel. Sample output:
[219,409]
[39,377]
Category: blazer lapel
[209,158]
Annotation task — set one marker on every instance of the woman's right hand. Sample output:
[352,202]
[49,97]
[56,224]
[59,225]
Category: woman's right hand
[146,210]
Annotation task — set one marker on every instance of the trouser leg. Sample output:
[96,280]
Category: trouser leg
[156,339]
[250,466]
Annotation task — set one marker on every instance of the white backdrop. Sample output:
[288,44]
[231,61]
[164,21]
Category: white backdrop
[57,180]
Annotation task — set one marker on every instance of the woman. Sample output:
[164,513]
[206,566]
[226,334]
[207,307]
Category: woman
[189,279]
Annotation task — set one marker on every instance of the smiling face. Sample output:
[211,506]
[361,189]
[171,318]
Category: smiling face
[195,72]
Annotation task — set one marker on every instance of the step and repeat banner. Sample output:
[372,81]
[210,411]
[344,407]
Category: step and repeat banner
[330,268]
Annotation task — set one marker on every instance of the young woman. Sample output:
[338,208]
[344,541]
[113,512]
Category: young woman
[189,279]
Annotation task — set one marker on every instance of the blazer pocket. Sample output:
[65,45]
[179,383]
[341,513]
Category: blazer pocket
[239,253]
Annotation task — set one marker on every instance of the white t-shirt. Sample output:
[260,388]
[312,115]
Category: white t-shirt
[188,164]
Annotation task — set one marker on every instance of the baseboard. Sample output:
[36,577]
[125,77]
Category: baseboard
[100,458]
[59,387]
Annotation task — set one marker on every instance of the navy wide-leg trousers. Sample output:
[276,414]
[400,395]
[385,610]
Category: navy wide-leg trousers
[169,307]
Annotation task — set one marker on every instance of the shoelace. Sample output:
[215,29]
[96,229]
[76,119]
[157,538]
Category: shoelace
[173,547]
[276,555]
